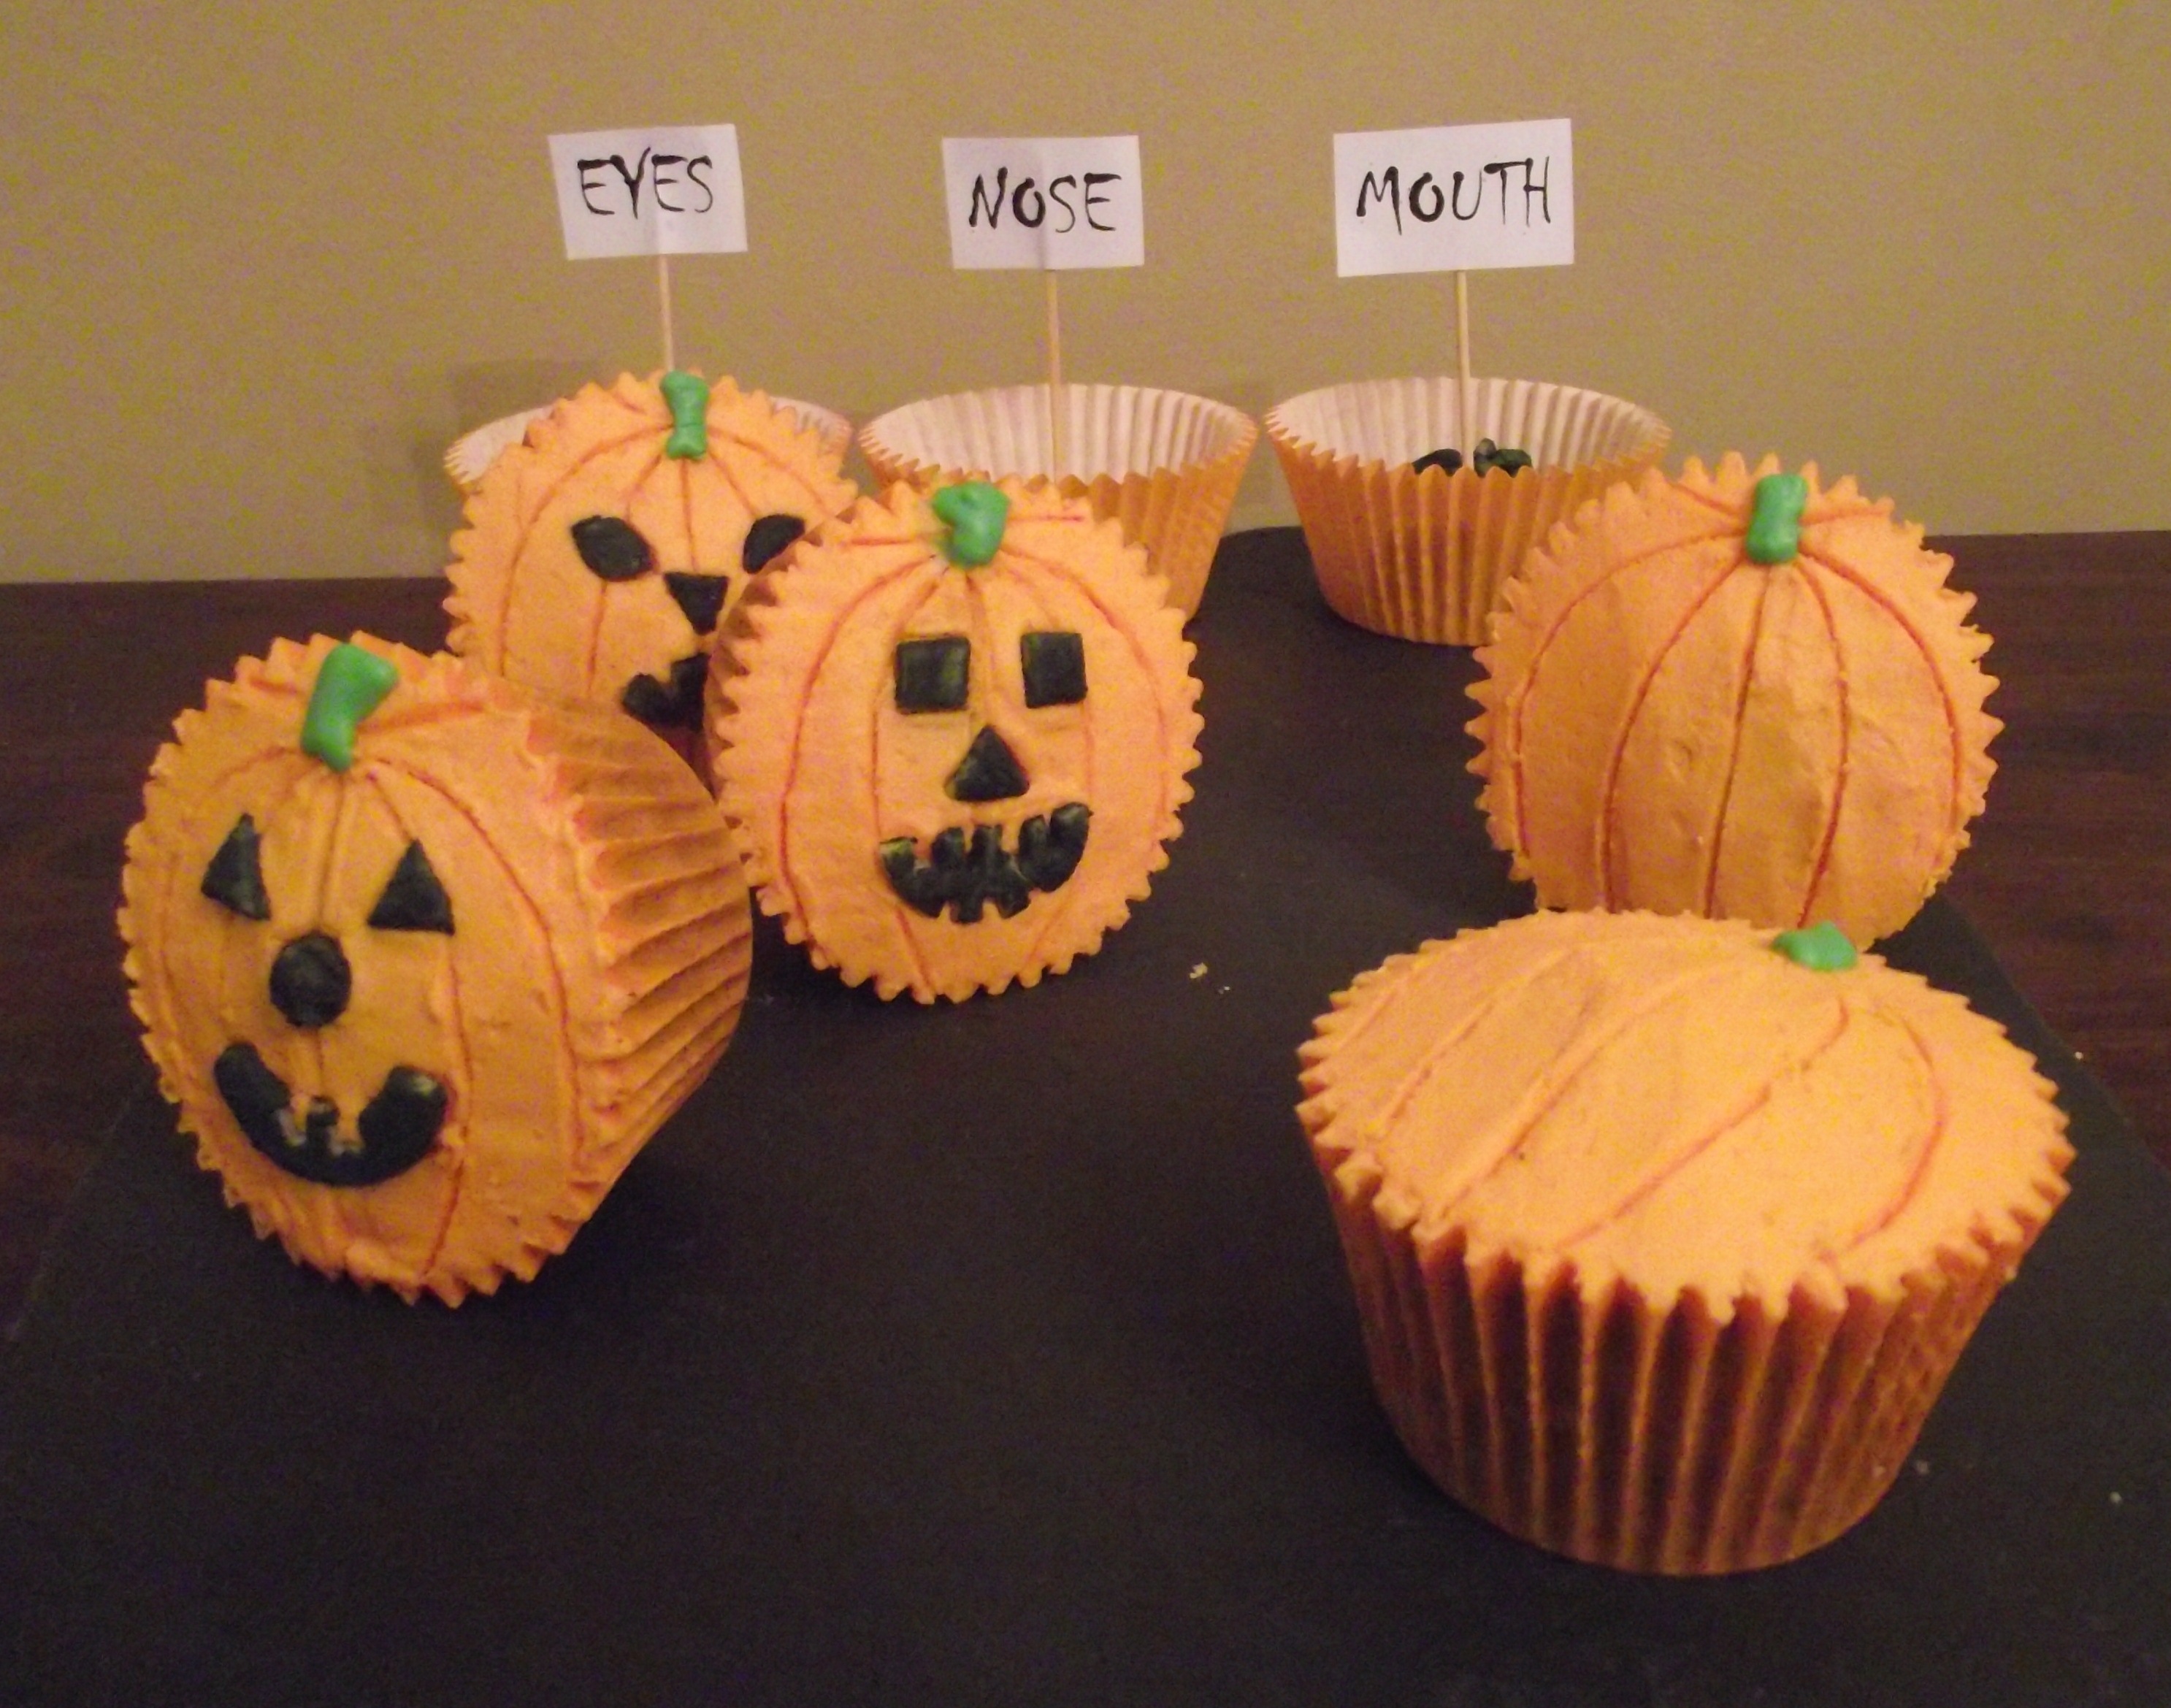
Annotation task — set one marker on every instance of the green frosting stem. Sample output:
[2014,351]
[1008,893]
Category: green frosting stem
[349,687]
[688,395]
[976,512]
[1775,525]
[1821,948]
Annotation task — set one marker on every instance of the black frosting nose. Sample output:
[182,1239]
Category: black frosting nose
[989,771]
[311,980]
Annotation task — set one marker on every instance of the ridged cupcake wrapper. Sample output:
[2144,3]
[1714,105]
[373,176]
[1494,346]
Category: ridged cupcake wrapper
[468,457]
[1421,556]
[1594,1425]
[1165,464]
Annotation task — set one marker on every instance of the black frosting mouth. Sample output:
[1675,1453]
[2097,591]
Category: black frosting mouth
[675,704]
[395,1130]
[965,877]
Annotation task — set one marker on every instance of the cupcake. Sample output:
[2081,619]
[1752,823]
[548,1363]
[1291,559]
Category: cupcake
[1419,553]
[954,737]
[602,550]
[1165,464]
[1665,1232]
[423,959]
[1739,693]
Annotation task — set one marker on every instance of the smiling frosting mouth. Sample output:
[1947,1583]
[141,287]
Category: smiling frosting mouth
[672,704]
[965,877]
[395,1130]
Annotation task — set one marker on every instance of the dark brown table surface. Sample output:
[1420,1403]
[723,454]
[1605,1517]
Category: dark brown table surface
[2069,877]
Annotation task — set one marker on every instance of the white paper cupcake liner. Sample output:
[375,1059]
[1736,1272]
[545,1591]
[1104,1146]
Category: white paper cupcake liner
[468,457]
[1166,464]
[1421,556]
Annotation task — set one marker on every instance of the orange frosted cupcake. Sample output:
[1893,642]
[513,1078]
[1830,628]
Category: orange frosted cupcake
[1665,1232]
[955,737]
[1407,544]
[423,958]
[1737,694]
[602,550]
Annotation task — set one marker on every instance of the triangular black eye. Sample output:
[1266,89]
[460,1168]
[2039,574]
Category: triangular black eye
[235,878]
[613,548]
[413,899]
[767,538]
[701,598]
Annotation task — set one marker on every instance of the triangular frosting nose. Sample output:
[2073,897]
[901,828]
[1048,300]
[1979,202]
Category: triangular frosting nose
[701,598]
[989,771]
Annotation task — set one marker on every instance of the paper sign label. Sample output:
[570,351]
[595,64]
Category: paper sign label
[1044,201]
[673,191]
[1455,196]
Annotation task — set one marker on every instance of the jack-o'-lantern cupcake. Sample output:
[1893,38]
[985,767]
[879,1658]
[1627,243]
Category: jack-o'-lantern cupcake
[954,738]
[424,958]
[602,550]
[1666,1231]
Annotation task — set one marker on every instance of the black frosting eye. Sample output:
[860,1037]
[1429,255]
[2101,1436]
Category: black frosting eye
[235,879]
[932,674]
[1054,660]
[413,899]
[613,548]
[767,538]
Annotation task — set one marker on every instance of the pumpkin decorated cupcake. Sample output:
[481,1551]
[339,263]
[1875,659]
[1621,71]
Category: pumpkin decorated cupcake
[954,739]
[1736,694]
[1165,464]
[423,958]
[602,550]
[1413,516]
[1665,1232]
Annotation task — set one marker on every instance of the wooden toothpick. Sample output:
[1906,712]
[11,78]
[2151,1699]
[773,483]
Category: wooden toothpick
[1054,377]
[663,304]
[1462,362]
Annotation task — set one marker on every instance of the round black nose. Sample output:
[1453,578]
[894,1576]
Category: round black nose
[310,981]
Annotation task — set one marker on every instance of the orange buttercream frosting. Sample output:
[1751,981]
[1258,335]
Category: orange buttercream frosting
[1668,723]
[925,832]
[529,909]
[1676,1103]
[596,557]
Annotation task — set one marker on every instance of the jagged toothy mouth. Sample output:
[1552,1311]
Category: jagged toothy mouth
[675,704]
[395,1130]
[965,877]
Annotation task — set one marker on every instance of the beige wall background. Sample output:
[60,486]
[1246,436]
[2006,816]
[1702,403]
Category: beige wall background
[263,261]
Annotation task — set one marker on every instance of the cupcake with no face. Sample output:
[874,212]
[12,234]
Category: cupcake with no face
[1665,1232]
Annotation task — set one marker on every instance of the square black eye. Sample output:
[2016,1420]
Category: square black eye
[1054,660]
[932,674]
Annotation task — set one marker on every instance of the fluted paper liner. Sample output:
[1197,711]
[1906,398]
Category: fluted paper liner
[468,457]
[560,824]
[1166,464]
[1685,1401]
[1594,1425]
[1420,556]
